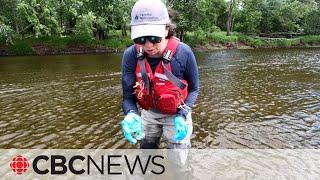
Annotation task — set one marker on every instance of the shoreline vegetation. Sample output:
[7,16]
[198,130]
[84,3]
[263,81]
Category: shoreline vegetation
[38,27]
[115,43]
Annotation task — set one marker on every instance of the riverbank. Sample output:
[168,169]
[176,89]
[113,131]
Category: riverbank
[54,45]
[208,42]
[199,41]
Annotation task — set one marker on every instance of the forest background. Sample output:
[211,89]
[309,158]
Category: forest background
[29,27]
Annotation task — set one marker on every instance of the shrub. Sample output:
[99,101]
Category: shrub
[221,37]
[21,48]
[117,43]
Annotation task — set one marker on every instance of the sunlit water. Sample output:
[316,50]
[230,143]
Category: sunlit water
[248,99]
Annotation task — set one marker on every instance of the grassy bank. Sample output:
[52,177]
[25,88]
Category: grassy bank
[74,44]
[218,40]
[199,40]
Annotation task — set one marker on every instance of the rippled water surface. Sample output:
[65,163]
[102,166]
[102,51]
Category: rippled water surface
[248,99]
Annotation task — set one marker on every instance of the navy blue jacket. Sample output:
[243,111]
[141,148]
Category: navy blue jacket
[183,66]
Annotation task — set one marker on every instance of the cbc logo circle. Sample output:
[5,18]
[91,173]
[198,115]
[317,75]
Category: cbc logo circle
[19,164]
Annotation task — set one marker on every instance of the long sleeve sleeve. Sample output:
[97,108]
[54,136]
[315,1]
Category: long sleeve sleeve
[191,75]
[128,80]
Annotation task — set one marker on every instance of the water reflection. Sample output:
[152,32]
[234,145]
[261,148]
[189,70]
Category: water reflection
[252,98]
[248,99]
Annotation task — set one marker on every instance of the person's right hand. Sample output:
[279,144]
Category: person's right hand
[132,124]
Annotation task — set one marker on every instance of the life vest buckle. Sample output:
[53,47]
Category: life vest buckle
[140,54]
[167,56]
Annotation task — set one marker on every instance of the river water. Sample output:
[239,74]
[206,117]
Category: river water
[249,99]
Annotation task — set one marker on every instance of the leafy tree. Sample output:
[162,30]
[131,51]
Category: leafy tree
[85,24]
[68,12]
[195,15]
[292,13]
[40,15]
[311,22]
[249,17]
[96,18]
[267,16]
[186,16]
[10,17]
[121,15]
[6,32]
[234,7]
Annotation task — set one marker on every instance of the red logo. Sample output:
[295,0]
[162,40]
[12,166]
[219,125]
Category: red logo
[19,164]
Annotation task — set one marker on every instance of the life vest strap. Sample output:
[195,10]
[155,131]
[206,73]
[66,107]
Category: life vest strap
[176,81]
[167,56]
[144,74]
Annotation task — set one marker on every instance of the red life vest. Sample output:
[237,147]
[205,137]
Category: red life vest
[161,90]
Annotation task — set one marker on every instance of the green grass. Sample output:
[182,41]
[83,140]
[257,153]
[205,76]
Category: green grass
[280,43]
[310,39]
[221,37]
[203,38]
[286,43]
[257,42]
[251,41]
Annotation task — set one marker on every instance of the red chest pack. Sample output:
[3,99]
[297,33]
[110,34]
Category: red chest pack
[160,90]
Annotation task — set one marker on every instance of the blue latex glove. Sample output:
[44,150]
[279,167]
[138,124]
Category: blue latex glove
[181,128]
[132,125]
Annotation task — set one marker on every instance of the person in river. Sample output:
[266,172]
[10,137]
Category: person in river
[160,74]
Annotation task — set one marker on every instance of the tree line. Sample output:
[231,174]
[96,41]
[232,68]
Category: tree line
[96,18]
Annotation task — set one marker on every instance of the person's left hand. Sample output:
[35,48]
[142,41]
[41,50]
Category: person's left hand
[181,128]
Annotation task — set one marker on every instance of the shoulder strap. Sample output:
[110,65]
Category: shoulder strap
[167,56]
[144,74]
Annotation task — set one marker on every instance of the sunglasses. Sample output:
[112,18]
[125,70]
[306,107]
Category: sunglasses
[142,40]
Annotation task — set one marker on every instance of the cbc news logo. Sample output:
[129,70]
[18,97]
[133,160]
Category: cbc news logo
[19,164]
[104,164]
